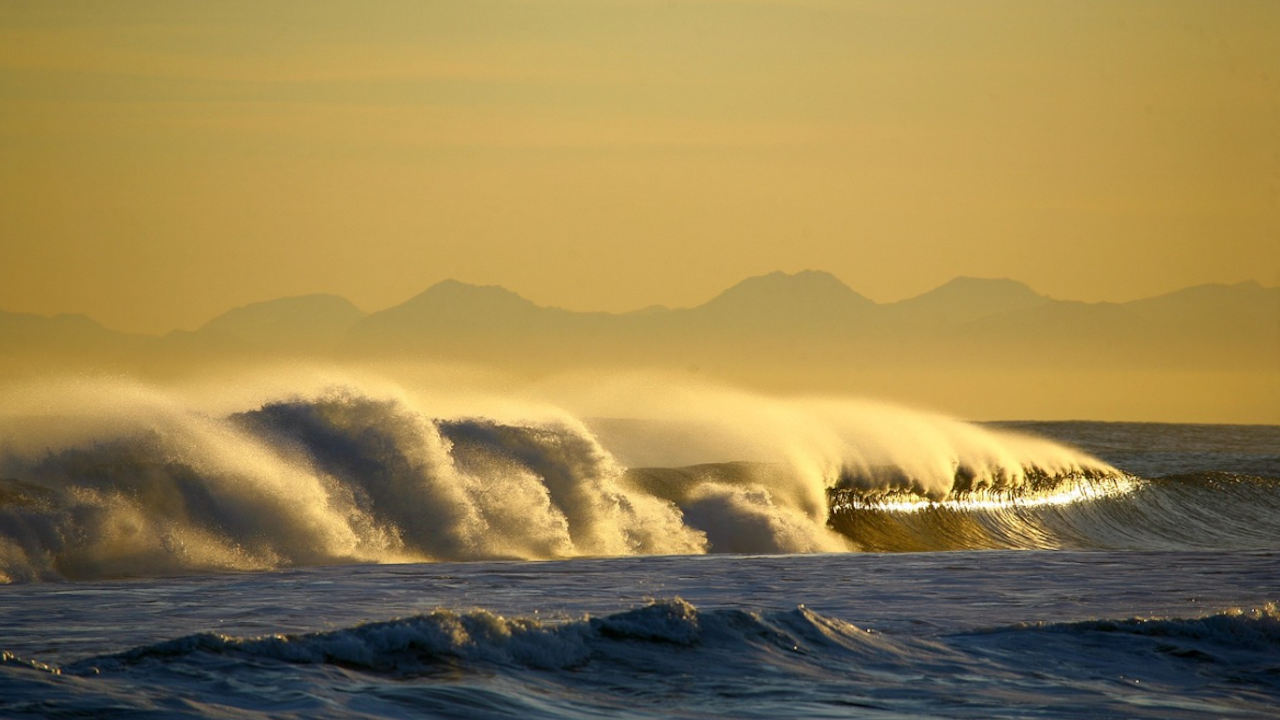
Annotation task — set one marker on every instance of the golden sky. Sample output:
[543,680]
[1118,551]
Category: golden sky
[161,162]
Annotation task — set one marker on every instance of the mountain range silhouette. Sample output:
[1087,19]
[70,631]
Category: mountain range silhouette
[806,331]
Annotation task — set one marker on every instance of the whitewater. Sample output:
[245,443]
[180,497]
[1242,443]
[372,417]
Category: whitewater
[321,544]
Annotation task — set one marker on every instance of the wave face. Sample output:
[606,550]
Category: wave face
[669,658]
[109,480]
[1202,511]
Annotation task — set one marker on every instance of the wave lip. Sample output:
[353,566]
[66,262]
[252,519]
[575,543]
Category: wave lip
[1066,489]
[1210,511]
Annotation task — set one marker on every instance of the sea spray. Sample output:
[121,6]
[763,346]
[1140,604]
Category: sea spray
[112,478]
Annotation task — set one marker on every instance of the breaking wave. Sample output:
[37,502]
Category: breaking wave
[643,638]
[111,480]
[669,658]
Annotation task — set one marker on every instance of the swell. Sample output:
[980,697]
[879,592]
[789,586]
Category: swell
[672,631]
[672,659]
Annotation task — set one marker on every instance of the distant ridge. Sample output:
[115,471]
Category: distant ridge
[959,300]
[1214,299]
[305,323]
[993,342]
[37,340]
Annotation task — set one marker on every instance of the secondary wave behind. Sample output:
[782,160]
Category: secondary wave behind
[670,658]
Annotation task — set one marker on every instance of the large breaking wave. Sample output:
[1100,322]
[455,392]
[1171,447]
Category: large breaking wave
[108,479]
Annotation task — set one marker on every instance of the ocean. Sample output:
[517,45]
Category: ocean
[357,552]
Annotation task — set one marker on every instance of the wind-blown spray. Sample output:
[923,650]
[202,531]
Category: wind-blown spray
[110,478]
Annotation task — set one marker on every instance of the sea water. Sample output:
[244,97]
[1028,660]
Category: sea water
[346,555]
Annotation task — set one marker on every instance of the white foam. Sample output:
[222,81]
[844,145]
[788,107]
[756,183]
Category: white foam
[143,479]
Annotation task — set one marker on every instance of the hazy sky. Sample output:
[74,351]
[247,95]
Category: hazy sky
[161,162]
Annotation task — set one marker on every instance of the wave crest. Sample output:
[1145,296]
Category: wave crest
[418,644]
[147,482]
[645,635]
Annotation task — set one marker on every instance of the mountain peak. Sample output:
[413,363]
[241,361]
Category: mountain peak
[805,288]
[965,299]
[295,308]
[785,302]
[299,323]
[455,293]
